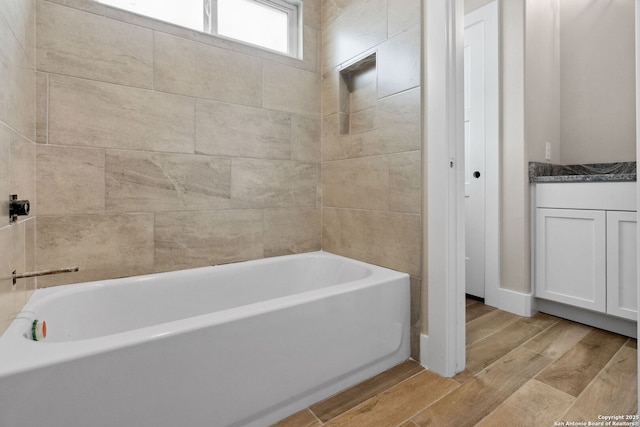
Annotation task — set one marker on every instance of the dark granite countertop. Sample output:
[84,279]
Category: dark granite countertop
[595,172]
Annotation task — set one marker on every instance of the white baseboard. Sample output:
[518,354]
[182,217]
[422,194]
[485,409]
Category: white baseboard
[424,350]
[434,359]
[513,302]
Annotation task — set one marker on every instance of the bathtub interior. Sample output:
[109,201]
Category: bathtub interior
[85,311]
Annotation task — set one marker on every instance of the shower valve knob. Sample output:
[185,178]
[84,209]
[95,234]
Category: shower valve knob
[17,208]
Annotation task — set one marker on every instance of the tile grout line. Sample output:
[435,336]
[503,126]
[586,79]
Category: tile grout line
[429,405]
[533,377]
[491,333]
[609,362]
[315,416]
[542,330]
[521,345]
[372,397]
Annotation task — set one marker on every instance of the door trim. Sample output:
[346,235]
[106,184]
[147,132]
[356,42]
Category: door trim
[443,347]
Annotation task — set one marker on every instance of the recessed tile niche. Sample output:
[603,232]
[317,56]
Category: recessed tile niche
[358,94]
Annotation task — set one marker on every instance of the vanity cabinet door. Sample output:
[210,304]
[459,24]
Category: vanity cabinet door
[622,266]
[571,257]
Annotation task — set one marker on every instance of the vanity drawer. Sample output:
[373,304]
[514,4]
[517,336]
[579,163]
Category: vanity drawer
[615,196]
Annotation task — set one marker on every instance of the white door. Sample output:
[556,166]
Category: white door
[474,139]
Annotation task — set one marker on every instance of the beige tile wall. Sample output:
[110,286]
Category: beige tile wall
[372,175]
[17,150]
[161,148]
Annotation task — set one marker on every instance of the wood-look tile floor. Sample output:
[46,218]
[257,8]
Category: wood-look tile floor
[520,372]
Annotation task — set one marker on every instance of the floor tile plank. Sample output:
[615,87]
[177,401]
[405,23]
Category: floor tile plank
[470,301]
[534,404]
[541,320]
[558,339]
[477,310]
[398,403]
[573,371]
[487,350]
[300,419]
[464,376]
[476,398]
[603,395]
[342,402]
[488,324]
[563,363]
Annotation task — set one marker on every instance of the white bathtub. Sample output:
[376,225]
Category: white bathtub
[242,344]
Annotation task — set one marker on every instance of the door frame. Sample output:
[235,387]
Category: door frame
[492,153]
[442,348]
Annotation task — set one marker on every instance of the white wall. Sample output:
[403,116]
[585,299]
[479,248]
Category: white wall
[543,79]
[580,80]
[598,81]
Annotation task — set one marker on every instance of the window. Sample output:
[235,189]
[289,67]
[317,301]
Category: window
[272,24]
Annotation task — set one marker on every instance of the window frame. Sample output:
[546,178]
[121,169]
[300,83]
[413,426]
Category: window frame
[293,9]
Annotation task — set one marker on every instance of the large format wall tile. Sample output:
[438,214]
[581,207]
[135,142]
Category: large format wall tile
[357,183]
[18,85]
[311,50]
[81,44]
[361,26]
[398,62]
[397,128]
[102,246]
[305,138]
[398,124]
[196,69]
[20,15]
[194,239]
[405,182]
[42,107]
[5,172]
[291,230]
[88,113]
[17,150]
[143,181]
[30,253]
[86,5]
[330,96]
[336,146]
[238,131]
[12,299]
[272,183]
[312,10]
[291,89]
[23,170]
[70,180]
[388,239]
[404,14]
[332,9]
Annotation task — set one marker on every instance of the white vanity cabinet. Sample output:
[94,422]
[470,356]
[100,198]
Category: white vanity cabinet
[585,246]
[622,266]
[571,257]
